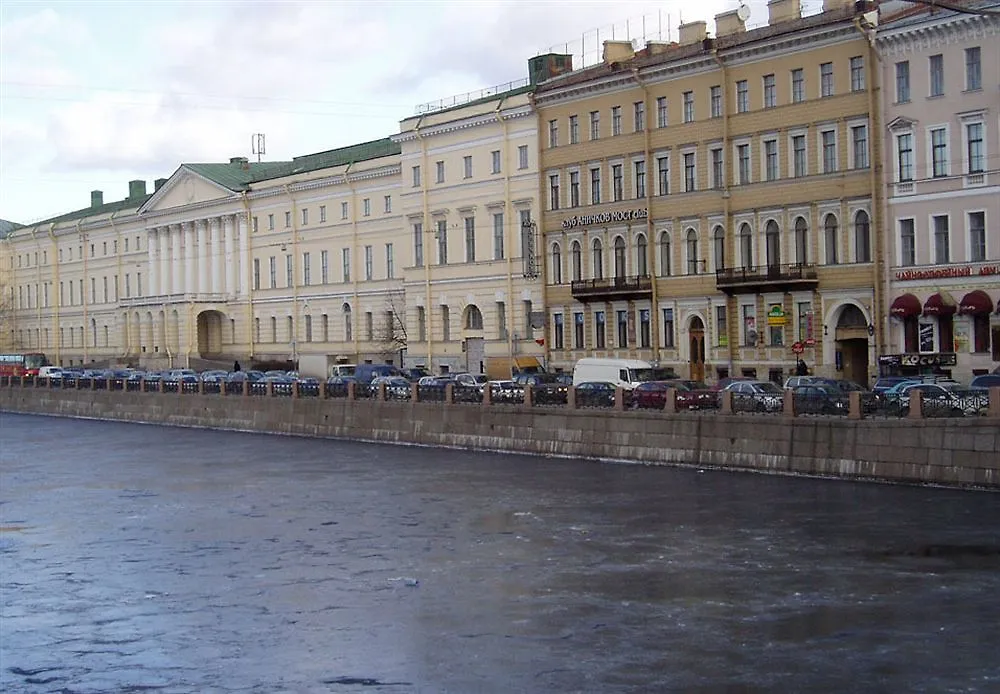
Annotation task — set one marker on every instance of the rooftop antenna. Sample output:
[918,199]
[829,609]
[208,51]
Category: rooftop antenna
[743,12]
[257,145]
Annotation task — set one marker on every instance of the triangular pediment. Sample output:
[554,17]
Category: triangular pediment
[902,123]
[185,187]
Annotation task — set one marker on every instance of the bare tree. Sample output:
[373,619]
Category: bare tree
[390,334]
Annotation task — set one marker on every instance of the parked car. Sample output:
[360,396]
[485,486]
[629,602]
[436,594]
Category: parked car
[546,388]
[756,396]
[396,387]
[983,382]
[506,391]
[820,398]
[943,399]
[470,380]
[595,394]
[724,382]
[847,386]
[885,383]
[214,376]
[626,373]
[795,381]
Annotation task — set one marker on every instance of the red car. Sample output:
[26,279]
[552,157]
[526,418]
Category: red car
[691,395]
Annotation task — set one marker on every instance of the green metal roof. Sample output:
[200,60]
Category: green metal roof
[7,228]
[364,151]
[105,209]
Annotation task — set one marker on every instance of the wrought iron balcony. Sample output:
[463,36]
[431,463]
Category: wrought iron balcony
[635,287]
[794,276]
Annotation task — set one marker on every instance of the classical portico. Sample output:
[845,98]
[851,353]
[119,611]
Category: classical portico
[198,260]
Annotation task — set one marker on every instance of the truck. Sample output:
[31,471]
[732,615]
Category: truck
[505,368]
[626,373]
[322,366]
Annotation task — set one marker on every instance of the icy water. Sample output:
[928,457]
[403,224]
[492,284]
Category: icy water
[152,559]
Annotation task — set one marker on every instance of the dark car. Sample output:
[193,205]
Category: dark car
[820,398]
[691,395]
[722,383]
[546,388]
[985,382]
[595,394]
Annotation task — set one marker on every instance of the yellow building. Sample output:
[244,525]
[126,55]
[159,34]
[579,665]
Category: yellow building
[710,205]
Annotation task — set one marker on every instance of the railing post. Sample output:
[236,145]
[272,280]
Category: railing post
[670,405]
[414,392]
[23,377]
[246,387]
[270,389]
[619,398]
[916,405]
[351,391]
[295,389]
[788,404]
[487,395]
[571,397]
[201,387]
[381,392]
[449,393]
[994,409]
[159,385]
[726,406]
[223,387]
[854,409]
[529,395]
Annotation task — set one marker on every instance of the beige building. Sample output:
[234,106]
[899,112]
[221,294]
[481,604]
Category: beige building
[711,205]
[941,70]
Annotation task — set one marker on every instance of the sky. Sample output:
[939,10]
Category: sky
[94,94]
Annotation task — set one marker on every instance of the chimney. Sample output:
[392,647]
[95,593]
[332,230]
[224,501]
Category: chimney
[96,198]
[657,47]
[547,66]
[692,32]
[136,189]
[158,183]
[238,160]
[617,51]
[832,5]
[783,11]
[727,23]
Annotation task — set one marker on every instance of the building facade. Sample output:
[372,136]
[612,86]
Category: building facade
[711,206]
[941,73]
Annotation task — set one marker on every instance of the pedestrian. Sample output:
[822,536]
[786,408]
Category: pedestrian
[236,366]
[801,369]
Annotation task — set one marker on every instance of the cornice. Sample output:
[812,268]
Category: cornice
[937,32]
[464,123]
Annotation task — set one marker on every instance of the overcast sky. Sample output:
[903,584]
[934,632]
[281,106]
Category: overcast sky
[93,94]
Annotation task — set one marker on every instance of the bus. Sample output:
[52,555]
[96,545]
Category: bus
[18,365]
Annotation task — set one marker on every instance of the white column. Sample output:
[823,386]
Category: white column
[190,279]
[152,252]
[178,266]
[244,269]
[204,251]
[163,245]
[230,258]
[215,257]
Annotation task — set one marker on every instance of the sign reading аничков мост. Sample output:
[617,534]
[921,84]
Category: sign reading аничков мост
[585,220]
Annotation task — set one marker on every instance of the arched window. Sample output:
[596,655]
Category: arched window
[719,242]
[862,237]
[664,254]
[691,241]
[801,241]
[830,237]
[348,325]
[473,318]
[598,260]
[746,246]
[556,264]
[641,257]
[772,244]
[576,260]
[620,269]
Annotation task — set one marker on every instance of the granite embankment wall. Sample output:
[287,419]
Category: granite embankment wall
[954,452]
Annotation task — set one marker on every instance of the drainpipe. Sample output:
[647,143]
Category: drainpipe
[118,275]
[249,272]
[295,276]
[38,295]
[58,297]
[425,226]
[509,216]
[546,347]
[732,329]
[83,291]
[355,308]
[654,321]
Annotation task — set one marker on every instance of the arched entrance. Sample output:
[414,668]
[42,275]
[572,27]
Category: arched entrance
[852,344]
[696,349]
[210,334]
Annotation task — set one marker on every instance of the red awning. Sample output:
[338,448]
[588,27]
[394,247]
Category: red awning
[905,306]
[975,303]
[940,304]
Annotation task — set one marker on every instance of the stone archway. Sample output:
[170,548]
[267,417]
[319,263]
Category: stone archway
[851,343]
[210,334]
[696,349]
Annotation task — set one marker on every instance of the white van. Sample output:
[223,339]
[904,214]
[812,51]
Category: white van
[627,373]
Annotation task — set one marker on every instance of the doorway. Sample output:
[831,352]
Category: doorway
[696,354]
[209,334]
[475,355]
[852,345]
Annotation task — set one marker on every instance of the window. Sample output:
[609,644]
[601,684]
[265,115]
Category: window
[973,69]
[501,320]
[556,264]
[366,207]
[345,258]
[663,175]
[771,160]
[688,107]
[776,333]
[595,125]
[746,246]
[289,270]
[640,179]
[288,220]
[470,239]
[309,328]
[661,112]
[324,267]
[578,330]
[343,210]
[445,323]
[600,330]
[830,236]
[770,92]
[801,241]
[442,237]
[749,325]
[305,216]
[369,262]
[574,129]
[826,79]
[554,192]
[644,332]
[715,101]
[904,157]
[598,259]
[620,268]
[595,186]
[939,152]
[621,320]
[473,318]
[691,242]
[529,330]
[421,324]
[805,315]
[859,146]
[522,156]
[439,172]
[689,172]
[665,264]
[273,271]
[976,158]
[617,186]
[977,236]
[574,188]
[322,213]
[743,164]
[306,269]
[798,85]
[576,261]
[256,273]
[857,74]
[418,244]
[467,166]
[907,243]
[498,244]
[387,204]
[903,82]
[369,326]
[668,328]
[717,171]
[553,133]
[936,64]
[942,252]
[719,247]
[721,328]
[862,238]
[416,176]
[829,140]
[495,159]
[639,116]
[742,97]
[616,120]
[641,256]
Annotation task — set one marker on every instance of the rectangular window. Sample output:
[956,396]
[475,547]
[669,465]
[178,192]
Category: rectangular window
[668,328]
[324,267]
[829,138]
[718,180]
[128,283]
[826,79]
[715,101]
[138,283]
[661,112]
[974,148]
[366,207]
[439,172]
[859,146]
[616,120]
[621,321]
[446,323]
[554,192]
[345,257]
[936,64]
[857,74]
[273,271]
[663,175]
[442,237]
[639,116]
[689,172]
[600,330]
[288,220]
[770,92]
[270,223]
[574,188]
[595,186]
[688,107]
[640,179]
[289,270]
[390,270]
[305,216]
[553,133]
[939,152]
[578,331]
[942,250]
[387,204]
[322,213]
[973,69]
[416,176]
[617,186]
[369,263]
[498,234]
[574,129]
[501,320]
[721,329]
[798,85]
[467,166]
[495,160]
[306,270]
[343,210]
[771,160]
[418,245]
[557,331]
[805,313]
[470,239]
[743,164]
[742,96]
[903,82]
[977,236]
[522,156]
[256,273]
[595,125]
[749,314]
[644,336]
[904,157]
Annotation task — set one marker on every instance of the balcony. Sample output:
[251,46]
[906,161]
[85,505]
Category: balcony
[772,277]
[613,288]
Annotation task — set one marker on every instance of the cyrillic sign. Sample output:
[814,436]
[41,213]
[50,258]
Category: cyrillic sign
[586,220]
